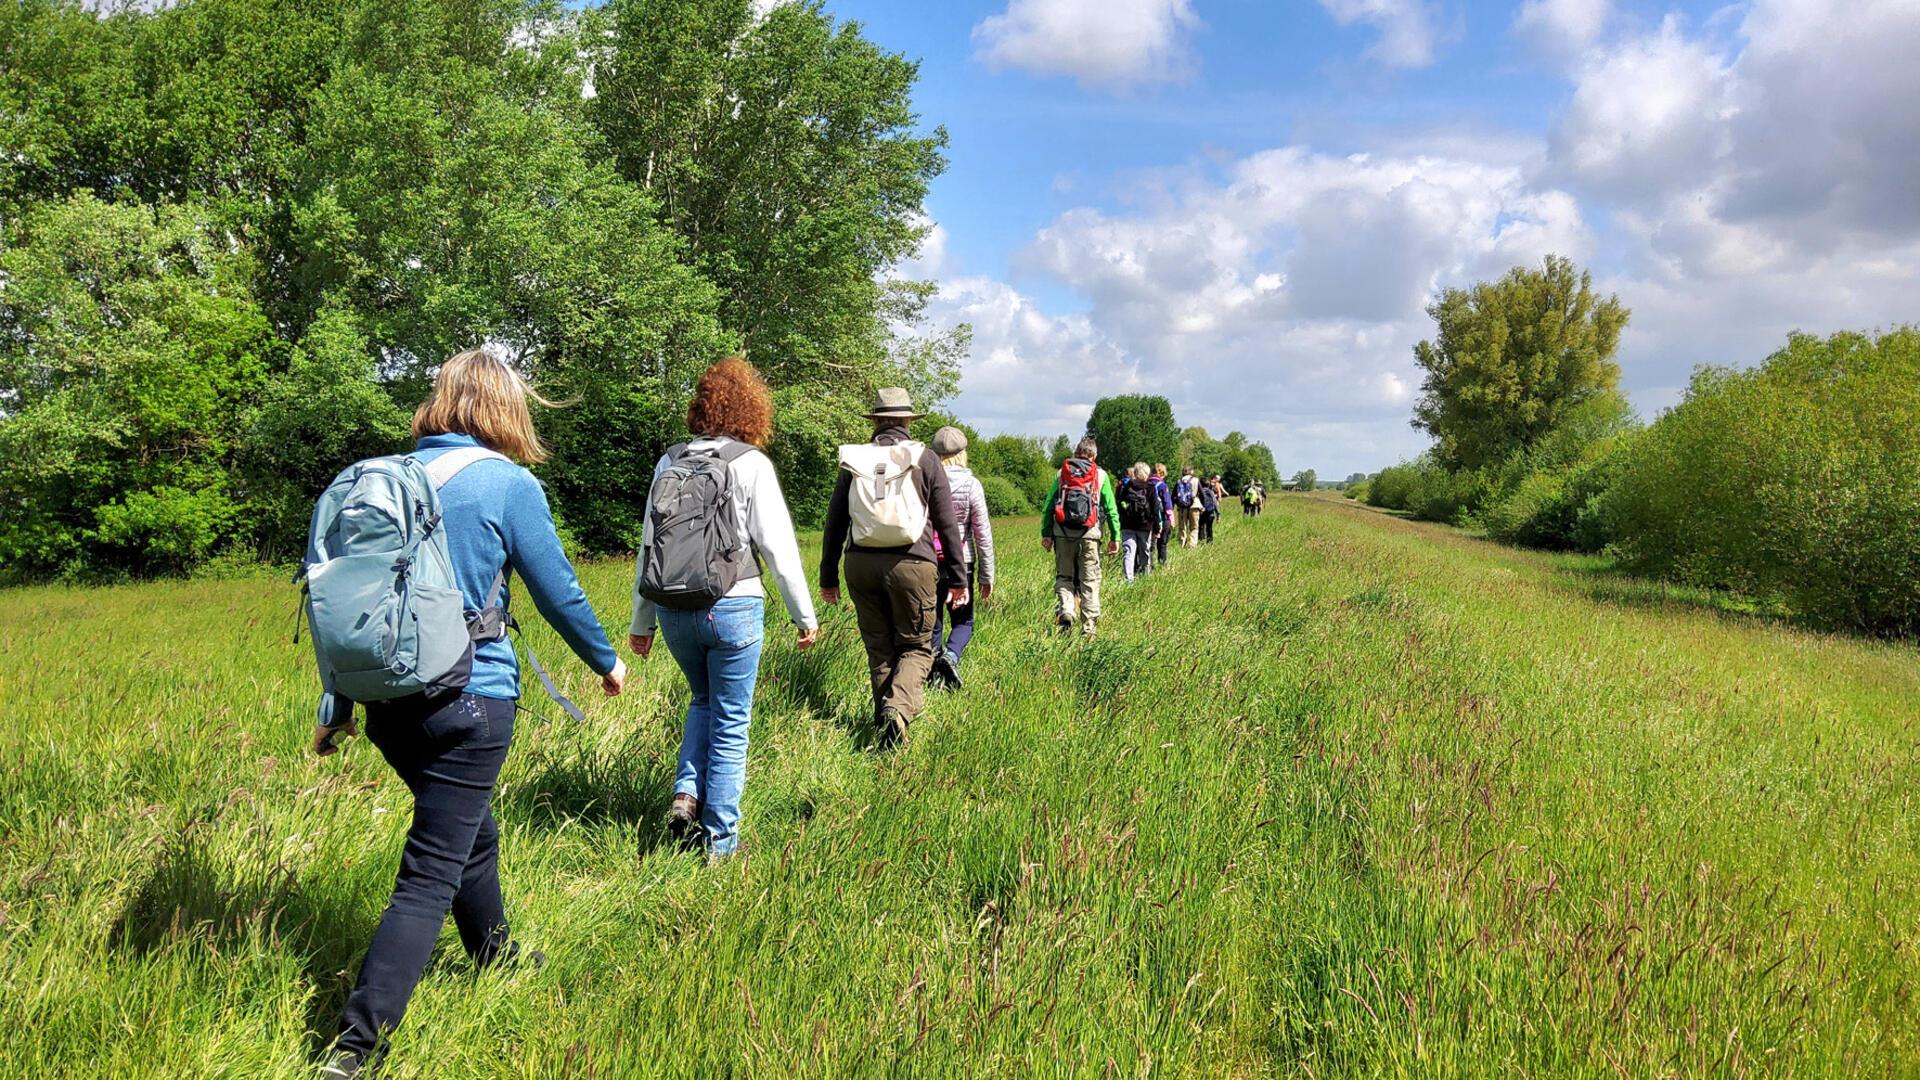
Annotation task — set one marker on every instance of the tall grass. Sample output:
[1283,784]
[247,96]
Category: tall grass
[1341,795]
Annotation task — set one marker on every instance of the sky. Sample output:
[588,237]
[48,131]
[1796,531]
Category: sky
[1246,205]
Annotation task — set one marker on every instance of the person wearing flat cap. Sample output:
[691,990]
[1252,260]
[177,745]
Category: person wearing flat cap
[896,576]
[953,623]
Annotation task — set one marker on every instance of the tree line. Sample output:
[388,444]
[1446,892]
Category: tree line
[1016,471]
[1795,483]
[239,235]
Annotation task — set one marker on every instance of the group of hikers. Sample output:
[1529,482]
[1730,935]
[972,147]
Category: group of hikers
[907,534]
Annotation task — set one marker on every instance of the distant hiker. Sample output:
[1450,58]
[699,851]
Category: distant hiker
[1163,529]
[714,509]
[1249,498]
[448,742]
[1186,505]
[1259,497]
[891,501]
[1139,509]
[953,623]
[1079,506]
[1211,492]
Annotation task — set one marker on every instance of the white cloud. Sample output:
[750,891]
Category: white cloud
[1030,372]
[1644,112]
[1790,139]
[1280,297]
[1407,33]
[1752,176]
[1101,43]
[1562,27]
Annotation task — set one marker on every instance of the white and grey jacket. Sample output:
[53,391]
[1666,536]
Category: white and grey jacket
[970,507]
[761,512]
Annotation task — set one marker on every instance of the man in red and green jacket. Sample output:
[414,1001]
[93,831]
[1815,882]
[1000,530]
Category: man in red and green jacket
[1075,546]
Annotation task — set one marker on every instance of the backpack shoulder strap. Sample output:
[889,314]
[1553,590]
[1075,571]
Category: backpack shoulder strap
[450,464]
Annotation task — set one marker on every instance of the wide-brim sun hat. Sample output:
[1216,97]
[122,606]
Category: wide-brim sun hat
[893,403]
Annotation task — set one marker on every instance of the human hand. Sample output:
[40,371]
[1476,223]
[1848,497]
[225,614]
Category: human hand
[986,590]
[1046,543]
[809,635]
[957,596]
[614,681]
[641,644]
[326,739]
[830,597]
[1113,547]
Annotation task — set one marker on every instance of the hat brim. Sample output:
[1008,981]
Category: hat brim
[895,415]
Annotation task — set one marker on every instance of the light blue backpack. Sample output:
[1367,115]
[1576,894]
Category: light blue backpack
[386,612]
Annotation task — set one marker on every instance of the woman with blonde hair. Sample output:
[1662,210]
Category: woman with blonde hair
[475,437]
[717,644]
[953,623]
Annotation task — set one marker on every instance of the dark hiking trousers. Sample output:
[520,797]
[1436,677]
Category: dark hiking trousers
[953,641]
[894,596]
[448,751]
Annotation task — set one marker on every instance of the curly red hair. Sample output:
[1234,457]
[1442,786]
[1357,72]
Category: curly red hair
[732,399]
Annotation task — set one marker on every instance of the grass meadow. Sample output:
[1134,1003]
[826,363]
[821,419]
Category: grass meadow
[1342,795]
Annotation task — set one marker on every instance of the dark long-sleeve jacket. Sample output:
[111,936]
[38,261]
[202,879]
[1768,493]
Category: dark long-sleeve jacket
[941,519]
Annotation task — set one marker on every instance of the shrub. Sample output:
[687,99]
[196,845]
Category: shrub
[1797,481]
[1360,491]
[1452,497]
[1536,512]
[1394,488]
[1004,497]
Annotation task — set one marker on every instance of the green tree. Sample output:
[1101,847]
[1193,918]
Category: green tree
[1511,357]
[1061,451]
[128,342]
[1305,480]
[1134,427]
[785,151]
[1020,461]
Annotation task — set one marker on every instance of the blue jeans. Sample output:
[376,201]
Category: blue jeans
[718,649]
[448,751]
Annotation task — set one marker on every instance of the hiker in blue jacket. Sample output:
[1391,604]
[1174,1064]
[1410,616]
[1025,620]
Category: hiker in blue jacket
[1164,531]
[448,748]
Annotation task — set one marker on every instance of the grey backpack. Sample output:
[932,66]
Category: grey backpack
[694,556]
[387,615]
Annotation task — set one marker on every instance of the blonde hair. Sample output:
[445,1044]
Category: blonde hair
[479,394]
[958,457]
[1140,472]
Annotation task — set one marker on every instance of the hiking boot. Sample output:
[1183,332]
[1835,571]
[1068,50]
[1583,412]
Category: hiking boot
[947,670]
[1062,624]
[683,820]
[893,728]
[343,1066]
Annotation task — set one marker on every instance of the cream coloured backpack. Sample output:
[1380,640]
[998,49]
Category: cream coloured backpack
[883,493]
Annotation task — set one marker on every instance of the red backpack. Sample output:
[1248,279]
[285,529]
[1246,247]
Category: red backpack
[1079,505]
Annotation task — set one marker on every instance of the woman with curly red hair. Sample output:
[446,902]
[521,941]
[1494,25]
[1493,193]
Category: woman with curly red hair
[718,645]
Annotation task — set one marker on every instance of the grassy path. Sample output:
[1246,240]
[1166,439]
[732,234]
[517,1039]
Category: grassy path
[1341,795]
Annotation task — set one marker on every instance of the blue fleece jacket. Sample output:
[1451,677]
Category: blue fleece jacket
[496,515]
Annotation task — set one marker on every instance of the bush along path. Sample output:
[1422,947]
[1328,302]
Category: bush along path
[1340,795]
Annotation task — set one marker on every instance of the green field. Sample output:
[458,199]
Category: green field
[1341,795]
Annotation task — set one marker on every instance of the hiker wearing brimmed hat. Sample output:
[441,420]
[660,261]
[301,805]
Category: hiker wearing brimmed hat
[890,502]
[953,623]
